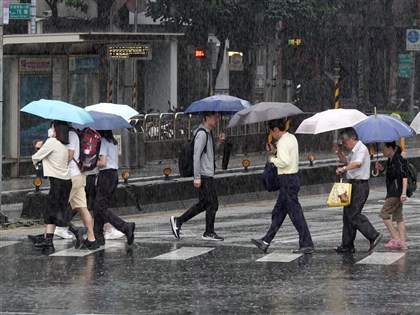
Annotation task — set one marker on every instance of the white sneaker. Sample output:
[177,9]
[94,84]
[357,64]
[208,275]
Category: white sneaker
[63,232]
[113,233]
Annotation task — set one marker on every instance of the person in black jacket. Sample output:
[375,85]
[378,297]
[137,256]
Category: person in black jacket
[396,193]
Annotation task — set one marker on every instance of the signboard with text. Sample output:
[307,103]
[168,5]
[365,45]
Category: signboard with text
[413,40]
[19,11]
[404,65]
[137,51]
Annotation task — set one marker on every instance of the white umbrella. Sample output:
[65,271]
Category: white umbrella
[122,110]
[263,111]
[415,124]
[331,119]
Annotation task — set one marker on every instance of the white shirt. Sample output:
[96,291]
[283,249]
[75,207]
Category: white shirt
[74,144]
[359,153]
[110,150]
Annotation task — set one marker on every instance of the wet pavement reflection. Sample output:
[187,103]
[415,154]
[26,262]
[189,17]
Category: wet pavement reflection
[200,277]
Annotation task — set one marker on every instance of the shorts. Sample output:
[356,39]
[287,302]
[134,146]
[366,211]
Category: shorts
[77,197]
[392,208]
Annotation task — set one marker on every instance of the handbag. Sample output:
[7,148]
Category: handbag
[340,194]
[269,177]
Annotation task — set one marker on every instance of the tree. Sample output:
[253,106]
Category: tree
[245,23]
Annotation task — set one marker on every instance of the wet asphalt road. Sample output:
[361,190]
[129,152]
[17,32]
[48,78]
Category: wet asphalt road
[154,276]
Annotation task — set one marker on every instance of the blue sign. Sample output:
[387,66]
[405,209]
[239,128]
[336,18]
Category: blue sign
[413,40]
[413,36]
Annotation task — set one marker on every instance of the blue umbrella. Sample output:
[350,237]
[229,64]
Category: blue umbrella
[58,110]
[104,121]
[218,103]
[382,128]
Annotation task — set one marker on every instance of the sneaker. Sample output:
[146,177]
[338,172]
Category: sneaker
[375,242]
[36,238]
[89,245]
[174,227]
[129,232]
[393,244]
[45,243]
[344,250]
[304,250]
[212,237]
[62,232]
[260,244]
[113,234]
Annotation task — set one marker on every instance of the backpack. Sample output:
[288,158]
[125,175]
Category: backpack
[90,144]
[186,156]
[411,179]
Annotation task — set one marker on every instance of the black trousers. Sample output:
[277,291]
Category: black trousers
[353,219]
[207,201]
[105,188]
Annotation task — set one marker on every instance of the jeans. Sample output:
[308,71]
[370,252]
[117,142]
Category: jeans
[288,204]
[207,201]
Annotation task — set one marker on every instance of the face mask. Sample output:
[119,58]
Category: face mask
[50,133]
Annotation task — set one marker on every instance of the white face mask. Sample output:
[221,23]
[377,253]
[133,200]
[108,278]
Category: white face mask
[50,133]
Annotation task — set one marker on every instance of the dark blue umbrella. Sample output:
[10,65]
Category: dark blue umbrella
[104,121]
[382,128]
[218,103]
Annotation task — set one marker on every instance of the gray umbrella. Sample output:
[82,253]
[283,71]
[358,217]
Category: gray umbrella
[263,111]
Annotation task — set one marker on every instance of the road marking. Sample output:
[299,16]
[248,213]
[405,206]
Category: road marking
[72,252]
[184,253]
[381,258]
[163,234]
[279,256]
[8,243]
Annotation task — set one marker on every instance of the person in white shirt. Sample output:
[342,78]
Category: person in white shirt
[54,156]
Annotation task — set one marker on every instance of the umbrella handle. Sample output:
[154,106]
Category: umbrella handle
[375,172]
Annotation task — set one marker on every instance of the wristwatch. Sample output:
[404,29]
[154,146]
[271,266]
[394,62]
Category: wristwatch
[345,168]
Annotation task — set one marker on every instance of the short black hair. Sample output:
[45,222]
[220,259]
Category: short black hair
[277,123]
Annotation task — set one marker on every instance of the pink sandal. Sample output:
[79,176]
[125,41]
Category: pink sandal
[393,244]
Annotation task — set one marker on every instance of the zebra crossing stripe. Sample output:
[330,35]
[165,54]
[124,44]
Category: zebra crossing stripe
[72,252]
[7,243]
[184,253]
[278,256]
[377,258]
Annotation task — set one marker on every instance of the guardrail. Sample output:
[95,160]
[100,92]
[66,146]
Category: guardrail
[176,126]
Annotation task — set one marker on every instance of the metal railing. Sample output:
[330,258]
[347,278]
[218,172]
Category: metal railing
[176,126]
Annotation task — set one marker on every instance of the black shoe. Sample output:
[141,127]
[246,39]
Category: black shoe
[45,243]
[174,226]
[304,250]
[79,233]
[344,250]
[129,232]
[100,240]
[375,242]
[260,244]
[89,245]
[212,237]
[36,238]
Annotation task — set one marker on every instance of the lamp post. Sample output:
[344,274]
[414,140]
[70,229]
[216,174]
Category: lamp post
[1,97]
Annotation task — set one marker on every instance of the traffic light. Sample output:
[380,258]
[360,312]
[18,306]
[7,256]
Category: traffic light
[199,53]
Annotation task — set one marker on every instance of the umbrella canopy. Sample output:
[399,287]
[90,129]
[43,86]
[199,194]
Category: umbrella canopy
[382,128]
[415,124]
[104,121]
[58,110]
[218,103]
[263,111]
[122,110]
[331,119]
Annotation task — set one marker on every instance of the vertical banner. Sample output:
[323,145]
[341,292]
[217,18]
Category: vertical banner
[5,12]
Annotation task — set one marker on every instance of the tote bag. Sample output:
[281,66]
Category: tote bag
[269,177]
[340,195]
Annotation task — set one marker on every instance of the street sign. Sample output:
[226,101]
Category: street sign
[413,40]
[19,11]
[404,65]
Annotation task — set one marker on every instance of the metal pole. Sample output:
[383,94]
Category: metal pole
[136,12]
[412,79]
[33,17]
[1,98]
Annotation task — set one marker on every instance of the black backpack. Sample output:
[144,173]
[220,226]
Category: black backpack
[186,156]
[411,179]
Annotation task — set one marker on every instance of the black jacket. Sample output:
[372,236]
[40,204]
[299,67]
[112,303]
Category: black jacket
[396,170]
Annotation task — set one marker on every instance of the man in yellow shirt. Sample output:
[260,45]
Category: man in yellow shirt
[286,158]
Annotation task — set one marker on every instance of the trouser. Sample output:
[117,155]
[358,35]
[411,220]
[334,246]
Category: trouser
[207,201]
[106,186]
[90,190]
[288,204]
[353,219]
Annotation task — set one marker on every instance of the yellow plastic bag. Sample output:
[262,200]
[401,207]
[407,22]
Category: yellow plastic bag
[340,195]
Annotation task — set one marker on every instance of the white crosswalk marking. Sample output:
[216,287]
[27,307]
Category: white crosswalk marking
[7,243]
[184,253]
[381,258]
[72,252]
[279,256]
